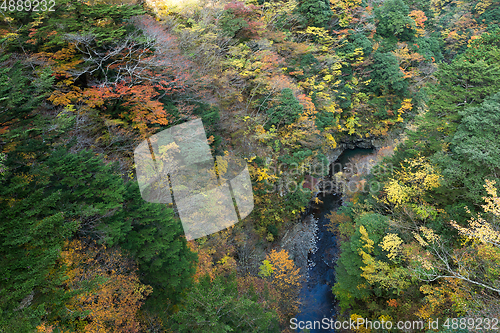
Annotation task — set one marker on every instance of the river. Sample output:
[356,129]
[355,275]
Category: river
[316,295]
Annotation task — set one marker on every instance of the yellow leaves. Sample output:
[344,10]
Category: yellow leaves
[261,174]
[25,177]
[65,98]
[359,99]
[364,237]
[385,318]
[251,159]
[437,6]
[392,244]
[328,78]
[317,201]
[28,156]
[46,328]
[284,273]
[483,5]
[493,201]
[205,265]
[350,124]
[322,35]
[336,70]
[330,141]
[479,228]
[368,270]
[116,293]
[333,108]
[397,193]
[10,36]
[63,62]
[369,261]
[344,9]
[261,132]
[266,269]
[425,174]
[416,177]
[407,59]
[361,286]
[238,54]
[64,59]
[424,312]
[357,56]
[224,260]
[435,297]
[426,237]
[271,10]
[475,260]
[405,107]
[103,22]
[381,272]
[359,328]
[285,277]
[309,83]
[220,166]
[429,234]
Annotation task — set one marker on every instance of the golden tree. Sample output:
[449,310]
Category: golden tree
[115,295]
[286,278]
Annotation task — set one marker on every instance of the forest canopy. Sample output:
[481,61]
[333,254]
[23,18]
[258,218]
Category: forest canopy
[285,85]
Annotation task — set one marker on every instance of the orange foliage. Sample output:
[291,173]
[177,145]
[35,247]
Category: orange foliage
[139,99]
[419,17]
[117,293]
[205,263]
[392,302]
[461,32]
[407,60]
[307,103]
[286,279]
[63,63]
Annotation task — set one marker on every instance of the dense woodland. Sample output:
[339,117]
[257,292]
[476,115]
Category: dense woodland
[281,84]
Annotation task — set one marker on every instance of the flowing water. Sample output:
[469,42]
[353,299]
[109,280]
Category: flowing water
[316,295]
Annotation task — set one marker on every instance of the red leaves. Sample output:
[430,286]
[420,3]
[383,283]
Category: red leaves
[95,97]
[240,9]
[250,15]
[139,100]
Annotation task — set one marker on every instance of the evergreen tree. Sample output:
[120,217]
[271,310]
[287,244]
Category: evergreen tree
[106,24]
[474,151]
[386,78]
[154,237]
[393,21]
[42,204]
[216,307]
[351,287]
[286,112]
[316,12]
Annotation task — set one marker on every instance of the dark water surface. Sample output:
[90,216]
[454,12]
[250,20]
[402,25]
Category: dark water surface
[316,294]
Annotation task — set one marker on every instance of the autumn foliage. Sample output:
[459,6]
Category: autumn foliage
[108,291]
